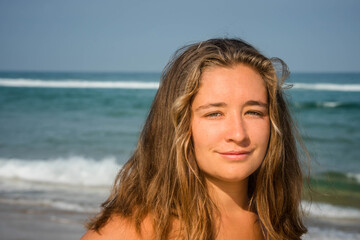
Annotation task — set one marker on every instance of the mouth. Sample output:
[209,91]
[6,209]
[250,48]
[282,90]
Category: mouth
[235,155]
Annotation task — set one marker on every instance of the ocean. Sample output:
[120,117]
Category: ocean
[64,136]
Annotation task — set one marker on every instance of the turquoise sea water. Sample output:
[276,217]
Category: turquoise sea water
[72,130]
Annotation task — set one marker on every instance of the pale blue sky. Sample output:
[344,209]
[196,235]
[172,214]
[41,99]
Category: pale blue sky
[141,35]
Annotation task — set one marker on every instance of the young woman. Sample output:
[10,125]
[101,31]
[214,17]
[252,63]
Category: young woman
[217,157]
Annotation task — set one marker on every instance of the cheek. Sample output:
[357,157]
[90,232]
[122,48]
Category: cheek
[201,143]
[205,133]
[198,134]
[203,139]
[263,137]
[267,133]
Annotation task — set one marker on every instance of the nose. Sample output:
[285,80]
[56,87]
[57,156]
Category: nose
[237,131]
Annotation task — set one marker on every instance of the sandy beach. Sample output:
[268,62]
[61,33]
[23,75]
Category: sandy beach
[38,223]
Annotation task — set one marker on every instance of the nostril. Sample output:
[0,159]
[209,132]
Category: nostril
[238,134]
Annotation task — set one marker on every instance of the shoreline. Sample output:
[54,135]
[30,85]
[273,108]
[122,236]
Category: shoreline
[42,223]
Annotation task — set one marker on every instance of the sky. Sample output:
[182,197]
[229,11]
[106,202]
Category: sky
[142,35]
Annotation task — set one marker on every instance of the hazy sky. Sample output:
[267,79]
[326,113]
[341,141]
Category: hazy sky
[141,35]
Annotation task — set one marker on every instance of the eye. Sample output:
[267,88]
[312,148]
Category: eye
[213,115]
[255,113]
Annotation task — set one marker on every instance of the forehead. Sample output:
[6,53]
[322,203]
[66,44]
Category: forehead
[238,82]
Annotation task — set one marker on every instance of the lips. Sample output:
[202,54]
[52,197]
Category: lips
[235,155]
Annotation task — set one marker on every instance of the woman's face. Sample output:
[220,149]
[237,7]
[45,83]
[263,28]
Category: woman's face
[230,123]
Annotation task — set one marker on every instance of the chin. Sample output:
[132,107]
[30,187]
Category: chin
[231,178]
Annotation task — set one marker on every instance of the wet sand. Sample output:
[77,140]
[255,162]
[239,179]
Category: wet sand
[24,222]
[29,223]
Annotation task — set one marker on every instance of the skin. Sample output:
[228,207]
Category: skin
[230,130]
[120,228]
[230,123]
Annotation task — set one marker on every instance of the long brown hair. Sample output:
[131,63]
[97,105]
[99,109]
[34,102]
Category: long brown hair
[162,178]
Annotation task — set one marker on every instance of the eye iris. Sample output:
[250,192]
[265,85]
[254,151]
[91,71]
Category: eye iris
[216,114]
[255,113]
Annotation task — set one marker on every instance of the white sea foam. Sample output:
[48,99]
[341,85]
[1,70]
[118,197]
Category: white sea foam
[316,233]
[6,82]
[62,205]
[72,83]
[354,175]
[330,104]
[328,87]
[77,171]
[324,210]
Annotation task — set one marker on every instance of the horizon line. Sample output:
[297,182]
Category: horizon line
[151,72]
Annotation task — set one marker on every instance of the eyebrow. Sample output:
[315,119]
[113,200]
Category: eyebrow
[219,104]
[256,103]
[222,104]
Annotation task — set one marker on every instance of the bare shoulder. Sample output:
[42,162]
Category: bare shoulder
[120,228]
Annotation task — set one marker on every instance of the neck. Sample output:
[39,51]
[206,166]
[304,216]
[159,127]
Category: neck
[229,196]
